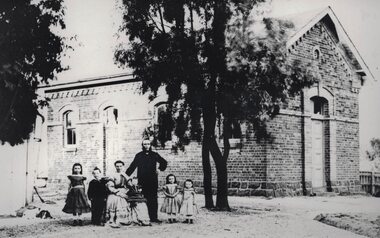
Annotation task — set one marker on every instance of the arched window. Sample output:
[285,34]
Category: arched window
[110,115]
[236,130]
[316,54]
[163,123]
[320,106]
[69,128]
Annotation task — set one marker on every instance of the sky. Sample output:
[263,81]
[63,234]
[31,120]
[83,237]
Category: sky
[95,24]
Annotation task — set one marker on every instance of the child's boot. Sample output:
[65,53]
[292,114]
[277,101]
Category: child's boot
[111,218]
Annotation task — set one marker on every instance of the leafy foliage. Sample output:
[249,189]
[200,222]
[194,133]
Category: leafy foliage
[374,152]
[214,69]
[30,55]
[261,77]
[178,44]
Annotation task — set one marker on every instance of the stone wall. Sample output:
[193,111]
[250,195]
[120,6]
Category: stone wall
[246,166]
[341,126]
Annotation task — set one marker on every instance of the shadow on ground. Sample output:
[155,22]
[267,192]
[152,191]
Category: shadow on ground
[37,229]
[362,224]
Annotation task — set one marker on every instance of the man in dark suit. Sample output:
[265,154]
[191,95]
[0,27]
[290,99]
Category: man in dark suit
[146,164]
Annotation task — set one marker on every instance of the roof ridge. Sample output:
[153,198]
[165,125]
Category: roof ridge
[315,10]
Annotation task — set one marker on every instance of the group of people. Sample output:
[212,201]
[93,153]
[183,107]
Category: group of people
[122,200]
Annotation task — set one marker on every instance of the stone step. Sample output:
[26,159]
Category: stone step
[49,194]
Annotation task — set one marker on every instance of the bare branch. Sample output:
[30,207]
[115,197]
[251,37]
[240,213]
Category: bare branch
[191,18]
[161,18]
[155,24]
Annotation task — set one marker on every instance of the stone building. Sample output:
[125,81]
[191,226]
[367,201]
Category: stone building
[316,145]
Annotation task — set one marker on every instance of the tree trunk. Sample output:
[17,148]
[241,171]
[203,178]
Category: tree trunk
[222,177]
[209,121]
[222,192]
[207,175]
[216,64]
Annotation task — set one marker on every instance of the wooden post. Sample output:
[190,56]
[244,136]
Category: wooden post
[373,183]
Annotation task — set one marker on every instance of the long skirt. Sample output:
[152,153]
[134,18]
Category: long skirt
[76,201]
[188,208]
[117,205]
[139,213]
[171,205]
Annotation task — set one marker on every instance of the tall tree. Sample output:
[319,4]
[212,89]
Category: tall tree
[214,70]
[30,55]
[373,154]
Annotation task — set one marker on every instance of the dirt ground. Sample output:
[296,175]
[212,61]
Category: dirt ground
[250,217]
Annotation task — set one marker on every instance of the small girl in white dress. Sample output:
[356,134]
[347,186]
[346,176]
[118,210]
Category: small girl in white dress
[172,201]
[188,206]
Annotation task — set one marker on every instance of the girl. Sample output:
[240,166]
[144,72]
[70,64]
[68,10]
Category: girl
[76,201]
[171,202]
[188,206]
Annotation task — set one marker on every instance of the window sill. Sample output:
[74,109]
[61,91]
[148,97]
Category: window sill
[70,149]
[318,116]
[235,143]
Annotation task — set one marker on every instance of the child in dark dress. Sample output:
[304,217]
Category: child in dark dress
[98,195]
[76,201]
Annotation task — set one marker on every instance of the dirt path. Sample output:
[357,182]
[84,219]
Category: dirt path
[251,217]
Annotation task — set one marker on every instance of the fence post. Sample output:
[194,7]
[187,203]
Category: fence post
[373,183]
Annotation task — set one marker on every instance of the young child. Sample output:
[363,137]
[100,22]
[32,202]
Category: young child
[117,205]
[76,201]
[171,202]
[138,207]
[188,206]
[97,194]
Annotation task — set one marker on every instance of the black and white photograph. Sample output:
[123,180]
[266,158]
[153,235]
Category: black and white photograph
[189,118]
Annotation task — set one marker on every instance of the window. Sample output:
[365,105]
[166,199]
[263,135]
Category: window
[320,106]
[69,128]
[110,115]
[163,124]
[236,130]
[234,136]
[316,54]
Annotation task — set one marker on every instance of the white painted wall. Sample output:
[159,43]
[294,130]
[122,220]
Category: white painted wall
[16,185]
[12,177]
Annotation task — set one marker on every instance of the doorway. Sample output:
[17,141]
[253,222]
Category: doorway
[110,139]
[319,130]
[318,178]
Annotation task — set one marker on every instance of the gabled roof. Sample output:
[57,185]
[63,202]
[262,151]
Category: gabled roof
[305,21]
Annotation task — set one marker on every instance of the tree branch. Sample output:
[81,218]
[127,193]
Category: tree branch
[191,18]
[161,18]
[154,22]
